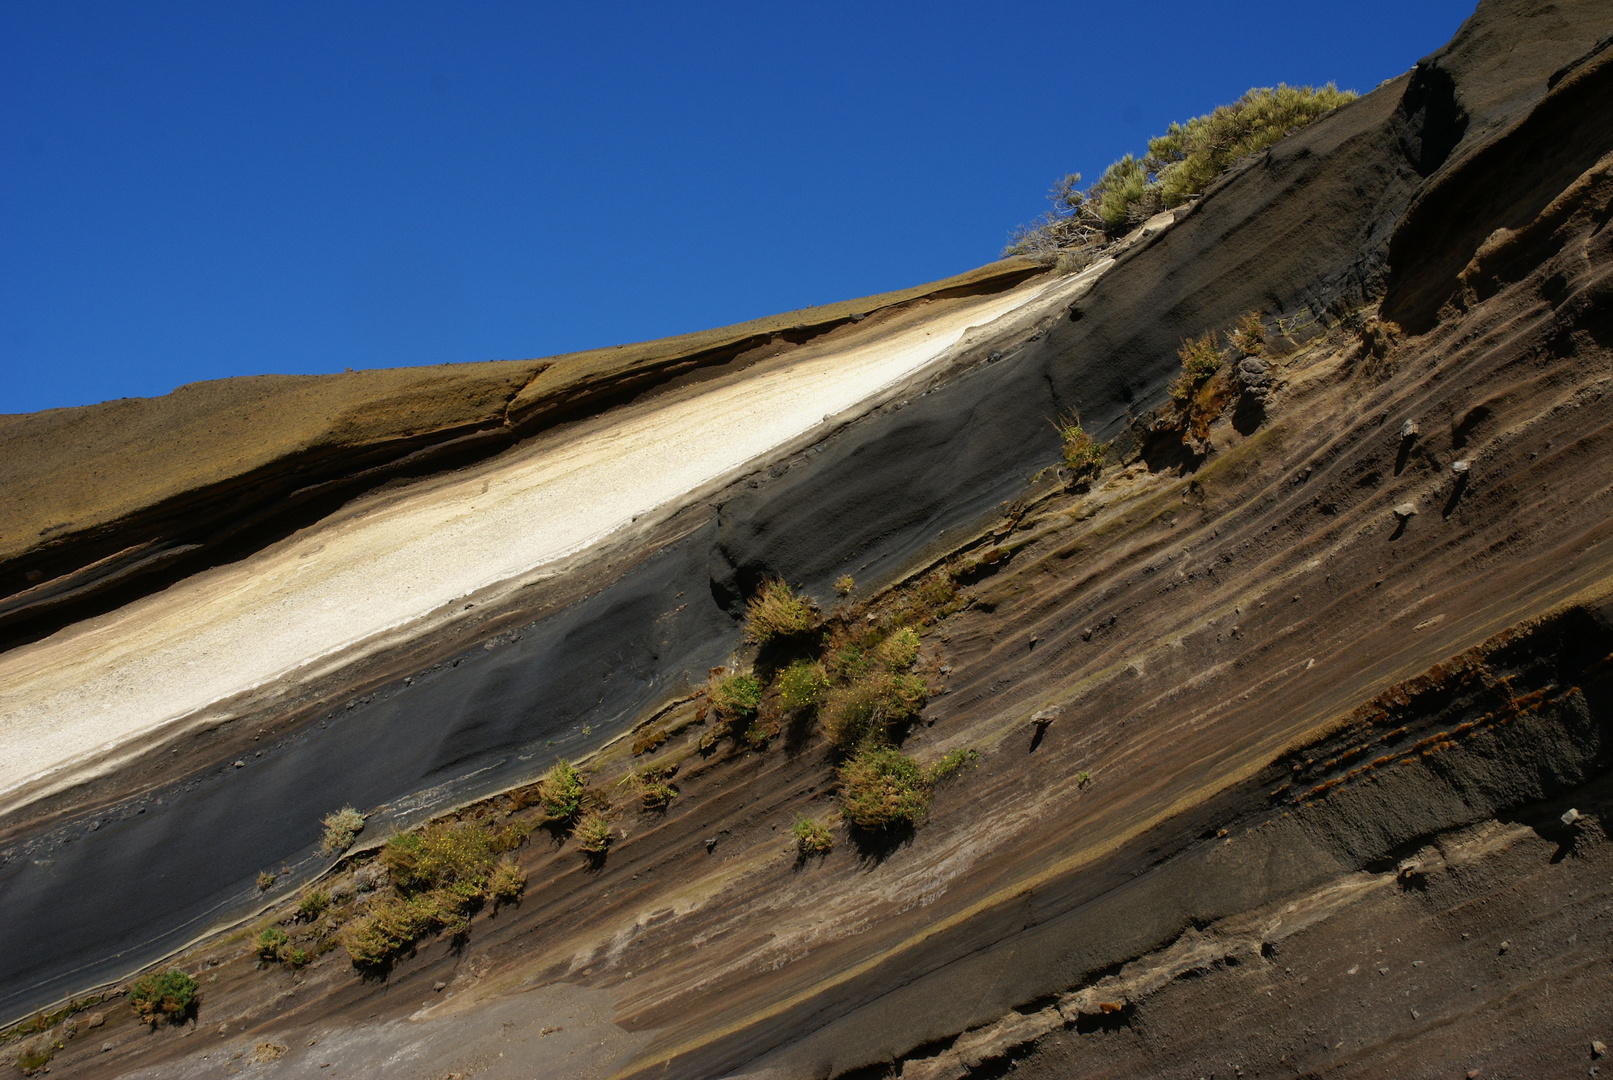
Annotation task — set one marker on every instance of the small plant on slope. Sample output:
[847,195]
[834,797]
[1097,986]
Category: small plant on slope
[1249,337]
[1083,455]
[811,837]
[593,834]
[562,790]
[883,788]
[341,828]
[776,612]
[169,996]
[801,685]
[735,698]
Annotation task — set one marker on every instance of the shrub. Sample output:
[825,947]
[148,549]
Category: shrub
[269,943]
[950,762]
[850,715]
[295,958]
[898,651]
[169,996]
[801,685]
[562,791]
[507,881]
[1083,455]
[442,855]
[650,784]
[865,710]
[1189,156]
[265,881]
[1083,778]
[1200,358]
[1120,195]
[440,875]
[341,828]
[776,612]
[811,837]
[849,662]
[1249,337]
[313,905]
[844,585]
[736,698]
[1179,165]
[882,788]
[593,834]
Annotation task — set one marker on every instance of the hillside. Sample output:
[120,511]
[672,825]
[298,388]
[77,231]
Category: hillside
[1295,712]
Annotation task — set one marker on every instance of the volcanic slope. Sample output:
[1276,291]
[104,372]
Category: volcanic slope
[1255,739]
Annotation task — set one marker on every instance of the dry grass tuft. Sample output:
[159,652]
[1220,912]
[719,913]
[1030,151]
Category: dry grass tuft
[776,612]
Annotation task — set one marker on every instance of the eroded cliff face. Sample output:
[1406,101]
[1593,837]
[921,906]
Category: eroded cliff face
[1297,717]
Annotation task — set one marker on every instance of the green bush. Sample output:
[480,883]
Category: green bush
[1179,165]
[507,881]
[801,685]
[650,784]
[1189,156]
[341,828]
[1200,359]
[898,651]
[811,837]
[882,788]
[736,698]
[313,904]
[864,711]
[593,834]
[269,943]
[849,662]
[440,875]
[776,612]
[950,762]
[1249,337]
[1083,455]
[170,996]
[562,791]
[844,585]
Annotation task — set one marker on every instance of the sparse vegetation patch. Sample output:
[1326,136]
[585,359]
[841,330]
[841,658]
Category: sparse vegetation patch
[776,612]
[440,875]
[1083,455]
[561,791]
[170,995]
[883,788]
[1178,166]
[341,829]
[811,837]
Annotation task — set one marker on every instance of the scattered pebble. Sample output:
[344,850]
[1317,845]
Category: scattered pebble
[439,986]
[1598,1047]
[1505,945]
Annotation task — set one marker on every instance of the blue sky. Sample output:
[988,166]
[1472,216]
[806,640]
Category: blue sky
[189,191]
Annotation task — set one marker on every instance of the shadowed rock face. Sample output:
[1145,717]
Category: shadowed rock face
[1254,744]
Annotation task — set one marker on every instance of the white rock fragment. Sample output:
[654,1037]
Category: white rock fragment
[1408,430]
[1571,815]
[1406,510]
[1460,467]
